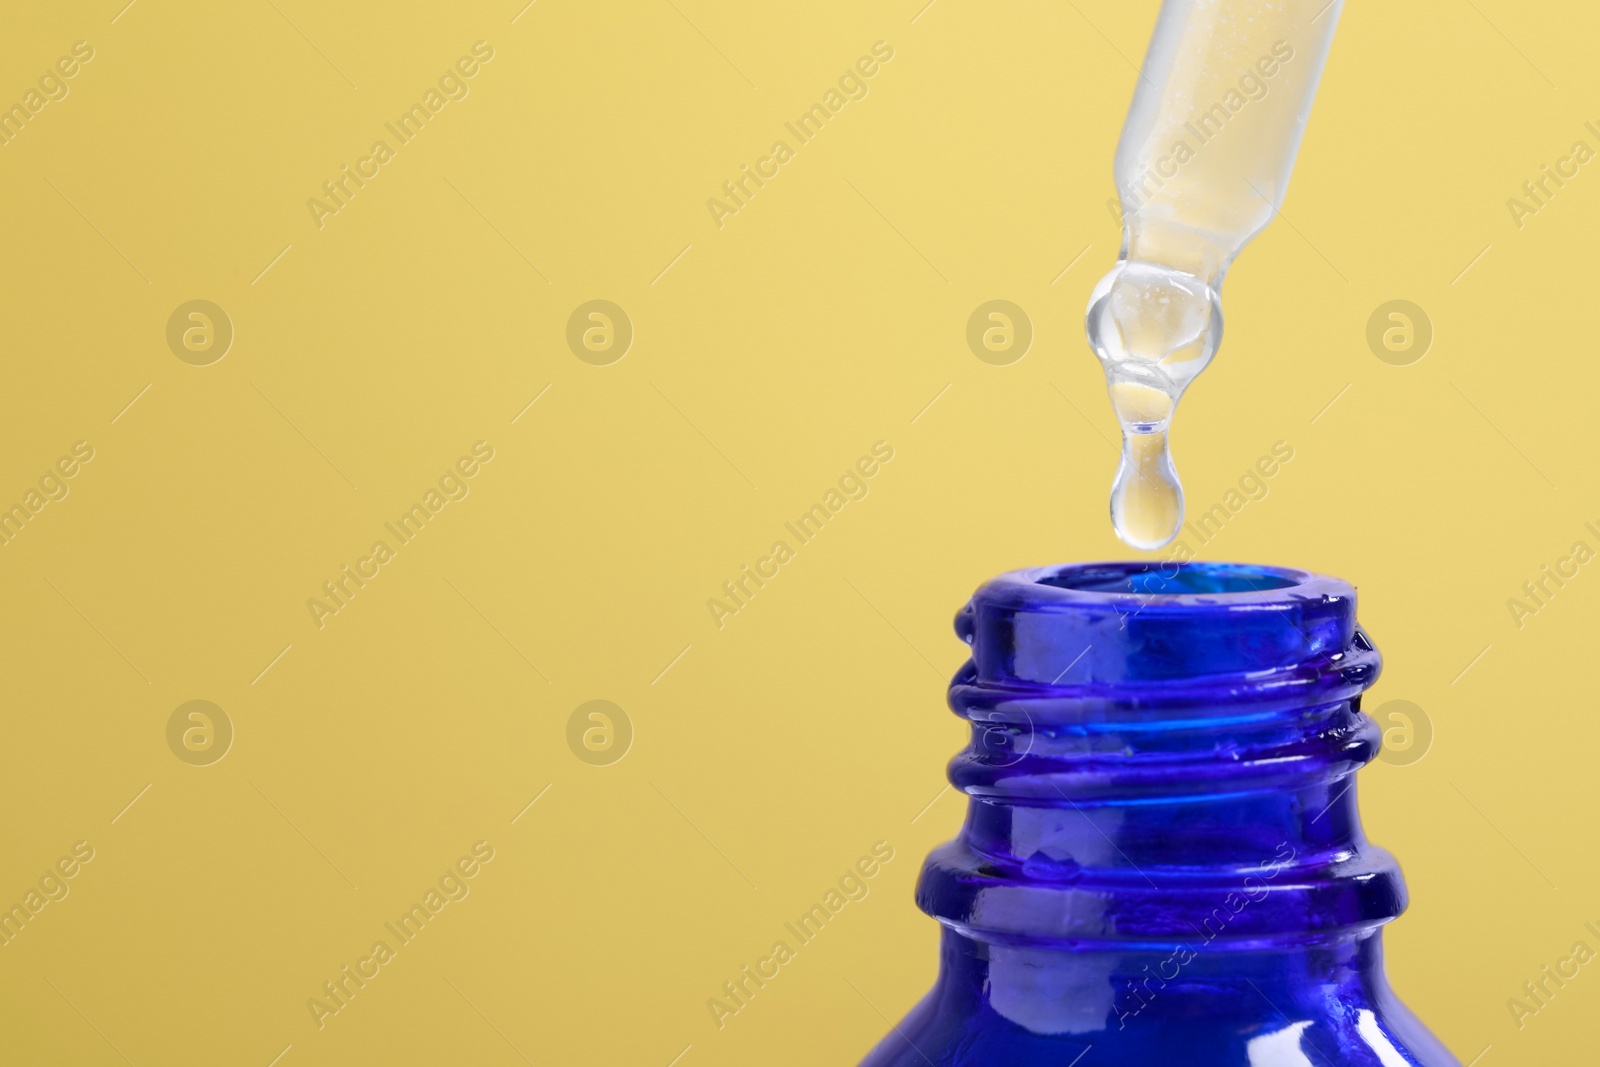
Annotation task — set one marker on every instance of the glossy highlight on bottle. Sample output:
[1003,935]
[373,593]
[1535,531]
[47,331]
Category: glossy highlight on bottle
[1162,860]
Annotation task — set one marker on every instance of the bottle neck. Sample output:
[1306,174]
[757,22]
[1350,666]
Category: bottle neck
[1246,833]
[1146,774]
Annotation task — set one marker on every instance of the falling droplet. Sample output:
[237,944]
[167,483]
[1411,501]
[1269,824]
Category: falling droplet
[1154,329]
[1146,498]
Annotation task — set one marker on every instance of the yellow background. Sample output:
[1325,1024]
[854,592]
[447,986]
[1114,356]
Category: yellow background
[767,755]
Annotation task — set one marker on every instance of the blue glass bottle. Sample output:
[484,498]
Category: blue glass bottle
[1162,861]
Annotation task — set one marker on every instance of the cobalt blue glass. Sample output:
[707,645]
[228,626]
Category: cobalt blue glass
[1162,861]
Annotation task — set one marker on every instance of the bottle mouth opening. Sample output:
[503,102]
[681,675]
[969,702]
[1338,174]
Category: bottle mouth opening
[1111,629]
[1172,579]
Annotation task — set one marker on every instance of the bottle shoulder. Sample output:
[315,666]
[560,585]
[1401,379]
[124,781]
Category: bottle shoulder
[1322,1004]
[1348,1035]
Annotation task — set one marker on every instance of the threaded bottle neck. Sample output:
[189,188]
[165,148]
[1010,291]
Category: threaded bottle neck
[1161,754]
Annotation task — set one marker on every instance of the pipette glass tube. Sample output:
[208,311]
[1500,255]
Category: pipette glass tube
[1202,167]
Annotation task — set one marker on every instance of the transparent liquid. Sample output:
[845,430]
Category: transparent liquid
[1202,167]
[1154,330]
